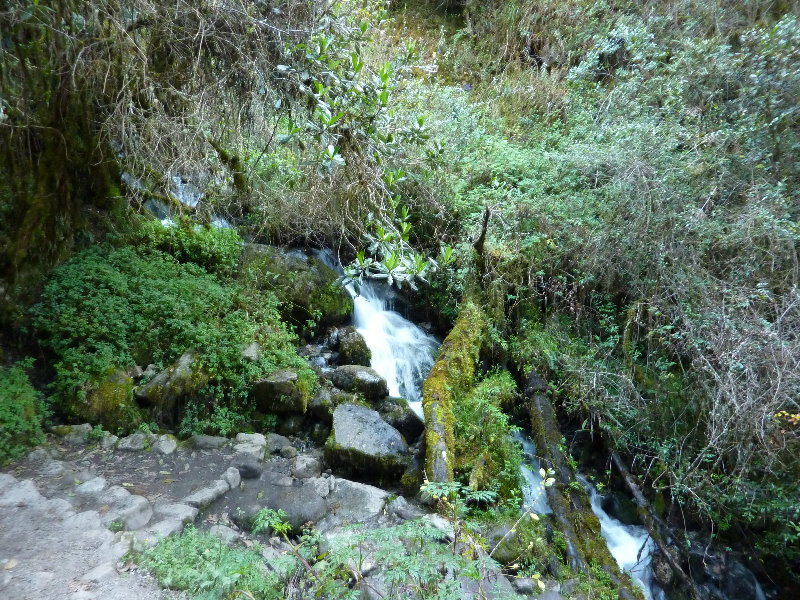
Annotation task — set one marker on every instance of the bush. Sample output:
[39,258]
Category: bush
[117,307]
[21,411]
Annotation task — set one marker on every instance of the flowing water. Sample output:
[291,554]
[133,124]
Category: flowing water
[630,545]
[534,498]
[402,353]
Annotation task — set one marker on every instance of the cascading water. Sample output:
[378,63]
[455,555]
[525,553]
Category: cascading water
[534,497]
[630,545]
[402,353]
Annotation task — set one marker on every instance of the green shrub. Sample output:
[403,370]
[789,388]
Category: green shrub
[21,411]
[117,307]
[216,249]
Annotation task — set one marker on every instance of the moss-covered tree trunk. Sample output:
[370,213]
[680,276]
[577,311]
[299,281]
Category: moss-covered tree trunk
[572,509]
[452,375]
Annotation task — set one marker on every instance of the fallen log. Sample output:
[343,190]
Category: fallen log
[654,525]
[570,503]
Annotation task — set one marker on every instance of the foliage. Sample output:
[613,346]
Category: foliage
[486,455]
[216,249]
[116,307]
[21,412]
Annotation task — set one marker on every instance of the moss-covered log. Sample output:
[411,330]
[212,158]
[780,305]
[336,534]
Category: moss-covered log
[452,375]
[572,509]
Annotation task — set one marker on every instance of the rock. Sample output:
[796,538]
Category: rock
[110,402]
[182,378]
[206,495]
[207,442]
[108,441]
[276,443]
[524,585]
[135,372]
[165,444]
[290,424]
[250,443]
[133,513]
[510,549]
[159,530]
[300,499]
[224,533]
[133,443]
[22,493]
[400,507]
[92,487]
[251,352]
[150,371]
[355,378]
[362,443]
[247,465]
[100,573]
[399,415]
[443,525]
[353,349]
[321,405]
[306,288]
[281,393]
[319,432]
[739,583]
[621,508]
[662,571]
[232,477]
[74,435]
[176,511]
[289,452]
[307,466]
[352,502]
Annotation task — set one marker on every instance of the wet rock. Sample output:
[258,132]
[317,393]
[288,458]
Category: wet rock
[355,378]
[321,405]
[276,443]
[319,432]
[399,415]
[353,349]
[182,378]
[362,443]
[621,508]
[207,442]
[290,424]
[248,466]
[739,583]
[307,466]
[280,393]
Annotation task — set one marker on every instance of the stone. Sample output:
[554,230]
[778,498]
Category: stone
[352,502]
[183,378]
[400,415]
[206,495]
[133,514]
[355,378]
[109,401]
[353,349]
[320,432]
[280,393]
[100,573]
[207,442]
[108,441]
[75,435]
[53,468]
[739,583]
[251,438]
[133,443]
[22,493]
[166,445]
[38,455]
[290,424]
[289,452]
[321,405]
[224,533]
[232,477]
[362,443]
[92,487]
[276,443]
[159,530]
[300,499]
[6,481]
[250,443]
[175,511]
[443,525]
[248,466]
[400,507]
[307,466]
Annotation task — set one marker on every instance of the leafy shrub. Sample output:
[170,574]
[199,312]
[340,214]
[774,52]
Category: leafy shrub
[117,307]
[216,249]
[486,454]
[21,411]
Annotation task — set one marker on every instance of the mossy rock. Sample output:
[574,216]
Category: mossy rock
[109,403]
[306,288]
[282,392]
[180,380]
[353,349]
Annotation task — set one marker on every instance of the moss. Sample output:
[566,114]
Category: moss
[110,403]
[452,375]
[386,470]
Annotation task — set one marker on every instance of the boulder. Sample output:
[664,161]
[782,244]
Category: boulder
[303,500]
[110,402]
[182,378]
[310,296]
[352,502]
[353,349]
[357,378]
[364,445]
[399,415]
[283,392]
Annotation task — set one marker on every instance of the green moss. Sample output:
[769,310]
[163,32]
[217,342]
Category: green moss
[452,375]
[110,402]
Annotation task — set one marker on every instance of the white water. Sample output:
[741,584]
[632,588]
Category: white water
[402,353]
[625,542]
[534,497]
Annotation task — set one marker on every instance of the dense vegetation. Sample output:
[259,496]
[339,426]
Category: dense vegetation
[638,164]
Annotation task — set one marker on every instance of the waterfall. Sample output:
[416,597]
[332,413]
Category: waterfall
[625,542]
[534,498]
[402,353]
